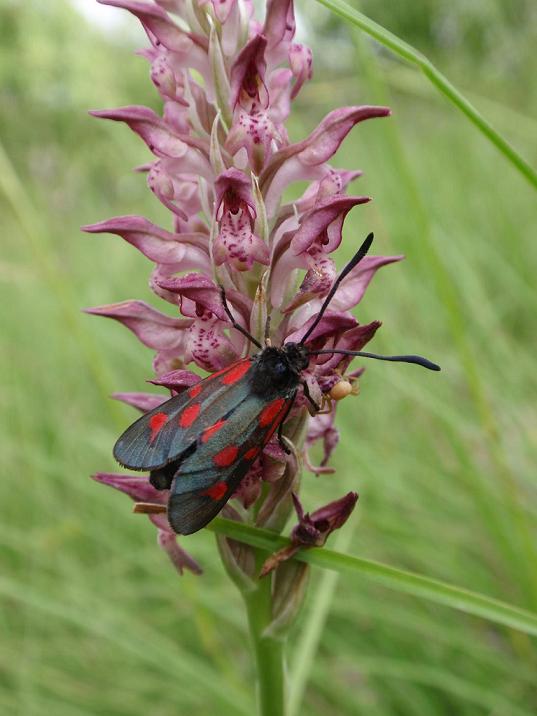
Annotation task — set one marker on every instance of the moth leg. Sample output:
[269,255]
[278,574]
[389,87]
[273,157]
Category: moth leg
[308,396]
[267,331]
[234,323]
[280,427]
[326,405]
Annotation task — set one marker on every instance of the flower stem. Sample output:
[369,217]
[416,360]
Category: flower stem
[268,650]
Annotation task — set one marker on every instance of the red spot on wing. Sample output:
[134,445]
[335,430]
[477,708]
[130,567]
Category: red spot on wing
[247,362]
[227,456]
[209,432]
[156,423]
[269,414]
[218,372]
[236,372]
[195,390]
[251,453]
[188,415]
[216,492]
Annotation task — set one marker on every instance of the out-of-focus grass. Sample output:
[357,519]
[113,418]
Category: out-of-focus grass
[93,618]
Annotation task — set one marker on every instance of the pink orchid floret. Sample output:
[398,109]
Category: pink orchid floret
[235,215]
[221,162]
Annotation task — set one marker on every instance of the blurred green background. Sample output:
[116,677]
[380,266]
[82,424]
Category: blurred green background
[94,620]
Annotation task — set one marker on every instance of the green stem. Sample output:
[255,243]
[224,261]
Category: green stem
[308,642]
[398,579]
[269,651]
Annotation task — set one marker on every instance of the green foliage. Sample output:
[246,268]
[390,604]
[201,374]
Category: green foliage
[93,618]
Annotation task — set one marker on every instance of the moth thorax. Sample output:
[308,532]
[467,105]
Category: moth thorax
[297,356]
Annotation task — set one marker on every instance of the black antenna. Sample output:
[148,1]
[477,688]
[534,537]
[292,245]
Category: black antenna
[418,360]
[234,322]
[358,256]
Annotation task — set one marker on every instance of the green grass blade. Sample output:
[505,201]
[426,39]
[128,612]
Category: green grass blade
[392,577]
[135,639]
[409,53]
[55,280]
[310,634]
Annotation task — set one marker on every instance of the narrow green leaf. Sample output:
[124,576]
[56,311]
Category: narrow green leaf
[409,53]
[56,280]
[392,577]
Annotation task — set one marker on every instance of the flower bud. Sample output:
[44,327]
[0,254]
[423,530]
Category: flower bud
[341,390]
[288,589]
[238,558]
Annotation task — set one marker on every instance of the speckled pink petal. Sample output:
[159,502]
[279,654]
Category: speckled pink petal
[237,244]
[255,132]
[317,281]
[163,77]
[152,328]
[208,346]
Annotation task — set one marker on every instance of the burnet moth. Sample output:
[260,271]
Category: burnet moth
[201,443]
